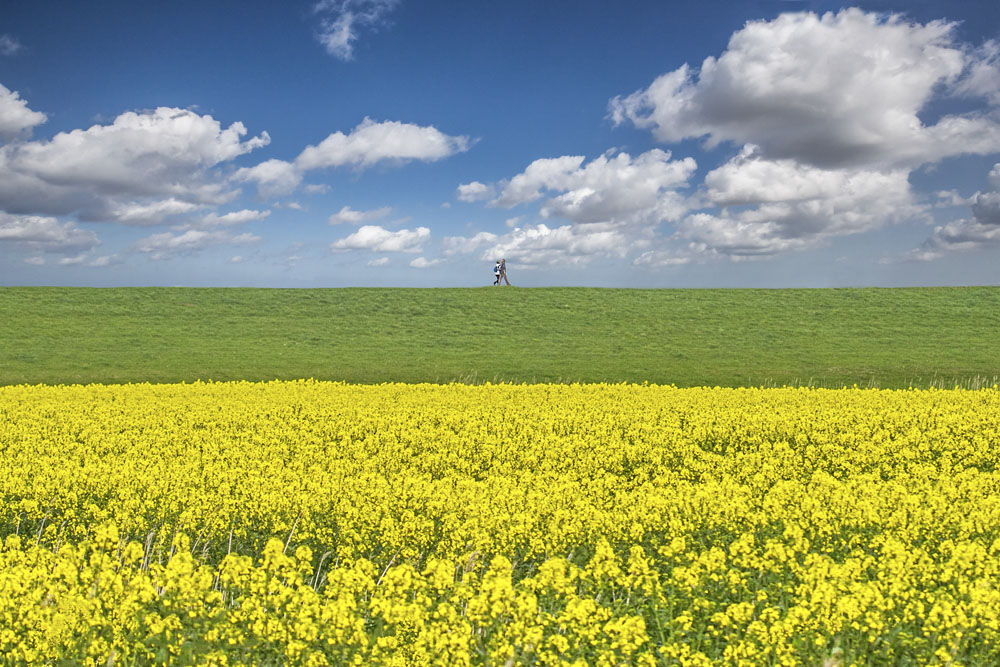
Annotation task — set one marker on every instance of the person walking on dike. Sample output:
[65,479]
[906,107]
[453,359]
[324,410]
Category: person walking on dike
[503,271]
[496,273]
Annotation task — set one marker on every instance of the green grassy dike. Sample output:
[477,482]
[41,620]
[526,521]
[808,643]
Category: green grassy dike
[824,337]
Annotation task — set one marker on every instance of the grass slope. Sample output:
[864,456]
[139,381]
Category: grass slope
[831,337]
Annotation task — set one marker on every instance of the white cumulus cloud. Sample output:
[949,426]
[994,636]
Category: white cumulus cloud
[16,119]
[424,263]
[610,188]
[475,191]
[273,177]
[614,202]
[828,110]
[371,142]
[367,144]
[379,239]
[144,152]
[836,90]
[140,167]
[536,247]
[774,206]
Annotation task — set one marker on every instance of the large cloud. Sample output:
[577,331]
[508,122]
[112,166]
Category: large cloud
[773,206]
[378,239]
[610,188]
[839,90]
[367,144]
[828,110]
[16,119]
[151,162]
[341,21]
[613,203]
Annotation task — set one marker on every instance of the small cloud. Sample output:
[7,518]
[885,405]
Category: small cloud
[475,191]
[72,261]
[35,261]
[168,244]
[374,142]
[381,261]
[446,204]
[352,217]
[979,232]
[236,259]
[541,246]
[233,218]
[316,189]
[511,223]
[148,213]
[461,245]
[9,46]
[104,260]
[660,258]
[341,21]
[379,239]
[84,259]
[947,198]
[273,177]
[424,263]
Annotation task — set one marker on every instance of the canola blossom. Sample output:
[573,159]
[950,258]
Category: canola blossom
[316,523]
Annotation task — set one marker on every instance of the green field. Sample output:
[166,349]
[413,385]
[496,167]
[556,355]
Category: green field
[824,337]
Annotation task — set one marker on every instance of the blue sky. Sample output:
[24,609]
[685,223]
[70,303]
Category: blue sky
[389,142]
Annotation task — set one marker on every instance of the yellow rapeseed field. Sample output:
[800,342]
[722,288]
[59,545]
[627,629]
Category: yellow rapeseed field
[314,523]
